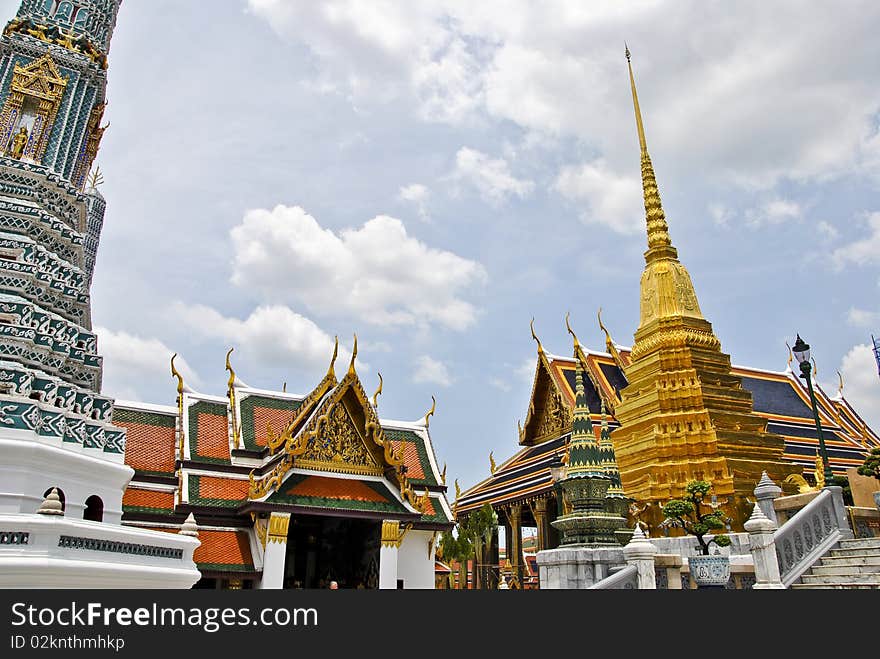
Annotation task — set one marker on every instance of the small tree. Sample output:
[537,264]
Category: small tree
[479,528]
[689,515]
[871,465]
[455,547]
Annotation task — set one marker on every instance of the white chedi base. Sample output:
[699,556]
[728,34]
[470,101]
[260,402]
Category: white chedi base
[47,551]
[576,567]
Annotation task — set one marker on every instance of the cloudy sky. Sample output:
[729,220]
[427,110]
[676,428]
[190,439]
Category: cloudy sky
[433,174]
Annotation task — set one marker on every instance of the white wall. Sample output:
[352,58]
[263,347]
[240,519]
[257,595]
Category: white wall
[414,565]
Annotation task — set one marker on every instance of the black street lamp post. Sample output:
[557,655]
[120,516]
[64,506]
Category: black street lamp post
[801,352]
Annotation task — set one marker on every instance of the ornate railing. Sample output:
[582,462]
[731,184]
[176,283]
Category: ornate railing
[626,578]
[807,536]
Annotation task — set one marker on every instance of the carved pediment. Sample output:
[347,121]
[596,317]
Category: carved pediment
[339,445]
[40,78]
[548,416]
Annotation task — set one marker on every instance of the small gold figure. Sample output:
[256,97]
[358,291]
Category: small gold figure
[19,141]
[819,472]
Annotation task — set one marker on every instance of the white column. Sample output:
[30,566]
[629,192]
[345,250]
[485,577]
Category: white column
[640,552]
[276,551]
[388,555]
[763,549]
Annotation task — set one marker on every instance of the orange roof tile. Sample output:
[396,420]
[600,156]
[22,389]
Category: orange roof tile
[411,459]
[335,488]
[217,487]
[139,498]
[213,436]
[278,419]
[224,548]
[149,448]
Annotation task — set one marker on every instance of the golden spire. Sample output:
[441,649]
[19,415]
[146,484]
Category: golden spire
[231,383]
[179,425]
[354,354]
[790,356]
[659,243]
[535,337]
[443,474]
[331,371]
[96,178]
[492,465]
[378,391]
[840,388]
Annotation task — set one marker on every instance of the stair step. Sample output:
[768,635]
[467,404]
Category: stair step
[848,561]
[845,569]
[836,586]
[856,551]
[836,577]
[860,543]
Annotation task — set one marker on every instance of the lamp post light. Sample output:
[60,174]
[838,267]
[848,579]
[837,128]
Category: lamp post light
[801,352]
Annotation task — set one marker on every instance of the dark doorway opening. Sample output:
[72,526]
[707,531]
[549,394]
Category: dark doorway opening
[325,549]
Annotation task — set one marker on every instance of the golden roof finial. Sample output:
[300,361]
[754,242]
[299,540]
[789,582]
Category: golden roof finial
[378,391]
[659,243]
[577,343]
[175,373]
[790,356]
[457,490]
[492,465]
[815,368]
[354,354]
[431,411]
[96,178]
[535,336]
[231,383]
[331,371]
[284,388]
[840,388]
[443,474]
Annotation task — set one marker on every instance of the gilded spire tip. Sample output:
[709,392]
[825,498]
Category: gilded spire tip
[431,411]
[331,371]
[378,391]
[535,336]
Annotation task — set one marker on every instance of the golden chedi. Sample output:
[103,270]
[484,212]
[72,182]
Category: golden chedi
[684,416]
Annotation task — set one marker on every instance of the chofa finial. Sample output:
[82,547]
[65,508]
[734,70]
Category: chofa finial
[535,336]
[431,411]
[354,354]
[378,391]
[331,371]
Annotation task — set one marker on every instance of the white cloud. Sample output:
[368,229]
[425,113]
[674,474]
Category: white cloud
[862,251]
[828,230]
[706,102]
[490,176]
[377,273]
[863,318]
[432,371]
[500,383]
[774,211]
[610,199]
[271,335]
[130,359]
[861,383]
[526,369]
[720,213]
[417,194]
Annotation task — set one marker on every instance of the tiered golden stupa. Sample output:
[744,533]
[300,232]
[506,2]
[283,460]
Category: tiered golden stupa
[684,415]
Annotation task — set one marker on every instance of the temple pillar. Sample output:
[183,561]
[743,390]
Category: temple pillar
[388,551]
[276,551]
[540,512]
[516,556]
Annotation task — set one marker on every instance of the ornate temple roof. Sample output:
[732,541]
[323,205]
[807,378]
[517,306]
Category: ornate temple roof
[254,451]
[779,396]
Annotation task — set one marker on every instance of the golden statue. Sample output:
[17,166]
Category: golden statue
[819,472]
[19,141]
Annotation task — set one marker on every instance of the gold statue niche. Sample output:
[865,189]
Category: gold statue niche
[36,90]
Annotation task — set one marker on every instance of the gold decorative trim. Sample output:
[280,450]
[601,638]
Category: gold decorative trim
[391,536]
[278,525]
[175,373]
[230,392]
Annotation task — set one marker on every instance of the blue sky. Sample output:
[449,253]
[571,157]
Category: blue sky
[431,175]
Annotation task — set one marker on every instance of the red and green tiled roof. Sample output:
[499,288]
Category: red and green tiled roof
[415,456]
[208,432]
[150,446]
[224,551]
[435,513]
[337,493]
[139,500]
[257,412]
[217,491]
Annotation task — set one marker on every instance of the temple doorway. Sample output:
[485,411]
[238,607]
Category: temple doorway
[324,549]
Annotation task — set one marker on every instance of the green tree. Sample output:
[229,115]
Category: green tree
[472,539]
[871,465]
[688,513]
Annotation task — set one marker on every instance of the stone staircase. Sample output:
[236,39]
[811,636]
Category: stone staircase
[854,564]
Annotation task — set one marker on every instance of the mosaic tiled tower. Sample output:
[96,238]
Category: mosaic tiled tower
[53,61]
